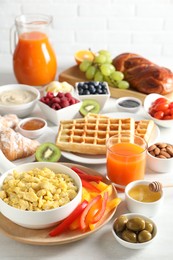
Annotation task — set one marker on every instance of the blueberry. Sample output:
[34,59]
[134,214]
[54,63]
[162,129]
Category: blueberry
[92,89]
[86,92]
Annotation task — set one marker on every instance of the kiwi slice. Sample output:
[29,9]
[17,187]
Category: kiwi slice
[89,106]
[47,152]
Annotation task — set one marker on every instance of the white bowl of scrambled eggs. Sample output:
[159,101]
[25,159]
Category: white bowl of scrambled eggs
[40,194]
[18,99]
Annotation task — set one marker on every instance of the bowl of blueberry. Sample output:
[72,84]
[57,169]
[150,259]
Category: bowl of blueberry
[94,95]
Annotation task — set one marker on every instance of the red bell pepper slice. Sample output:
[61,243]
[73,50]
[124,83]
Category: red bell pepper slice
[67,221]
[83,225]
[85,176]
[101,212]
[89,186]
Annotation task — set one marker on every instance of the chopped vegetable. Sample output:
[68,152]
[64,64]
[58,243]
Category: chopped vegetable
[67,221]
[83,225]
[101,212]
[89,186]
[85,176]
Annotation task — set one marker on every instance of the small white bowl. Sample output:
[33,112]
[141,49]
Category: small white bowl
[147,104]
[159,165]
[21,110]
[33,134]
[150,209]
[126,104]
[136,245]
[46,218]
[55,116]
[100,98]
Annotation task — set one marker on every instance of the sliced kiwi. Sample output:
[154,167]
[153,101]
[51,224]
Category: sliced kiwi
[47,152]
[89,106]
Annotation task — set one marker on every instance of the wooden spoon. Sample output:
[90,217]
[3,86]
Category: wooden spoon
[156,186]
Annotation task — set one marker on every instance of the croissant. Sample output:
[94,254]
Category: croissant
[9,120]
[15,146]
[143,75]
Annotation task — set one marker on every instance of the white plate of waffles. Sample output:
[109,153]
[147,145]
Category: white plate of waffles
[101,159]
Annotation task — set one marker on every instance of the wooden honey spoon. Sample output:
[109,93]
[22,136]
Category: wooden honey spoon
[156,186]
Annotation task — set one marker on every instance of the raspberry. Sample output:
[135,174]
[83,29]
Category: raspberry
[50,95]
[68,95]
[56,100]
[60,95]
[65,103]
[56,106]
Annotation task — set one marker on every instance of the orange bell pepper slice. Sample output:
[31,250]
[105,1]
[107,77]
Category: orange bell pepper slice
[83,224]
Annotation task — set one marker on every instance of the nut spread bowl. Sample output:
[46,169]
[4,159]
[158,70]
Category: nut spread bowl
[148,101]
[139,233]
[18,99]
[40,219]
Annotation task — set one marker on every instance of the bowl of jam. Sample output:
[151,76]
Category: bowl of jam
[128,104]
[32,127]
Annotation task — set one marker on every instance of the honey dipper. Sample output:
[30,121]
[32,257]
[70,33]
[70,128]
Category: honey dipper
[156,186]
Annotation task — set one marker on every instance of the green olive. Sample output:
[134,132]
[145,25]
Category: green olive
[135,224]
[120,223]
[144,236]
[129,236]
[149,226]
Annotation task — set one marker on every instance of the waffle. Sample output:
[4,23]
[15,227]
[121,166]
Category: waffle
[144,128]
[88,135]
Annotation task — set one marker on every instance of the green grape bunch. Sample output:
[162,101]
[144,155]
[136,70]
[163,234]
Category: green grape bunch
[102,69]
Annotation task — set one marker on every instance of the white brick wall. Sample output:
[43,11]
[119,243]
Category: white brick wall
[140,26]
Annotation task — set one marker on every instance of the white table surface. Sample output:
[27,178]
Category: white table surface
[102,245]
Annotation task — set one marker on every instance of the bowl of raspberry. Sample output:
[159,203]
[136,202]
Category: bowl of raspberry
[60,106]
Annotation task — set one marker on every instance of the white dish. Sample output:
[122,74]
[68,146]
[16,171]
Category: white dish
[101,159]
[147,104]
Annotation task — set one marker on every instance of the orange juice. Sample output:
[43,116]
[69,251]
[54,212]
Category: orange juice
[125,163]
[34,60]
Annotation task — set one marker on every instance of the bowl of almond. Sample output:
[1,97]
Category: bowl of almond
[160,157]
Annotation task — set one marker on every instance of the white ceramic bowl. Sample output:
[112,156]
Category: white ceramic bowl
[150,209]
[147,104]
[20,110]
[100,98]
[55,116]
[33,134]
[120,104]
[41,219]
[135,245]
[159,165]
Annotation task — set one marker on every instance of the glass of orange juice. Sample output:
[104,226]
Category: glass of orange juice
[126,159]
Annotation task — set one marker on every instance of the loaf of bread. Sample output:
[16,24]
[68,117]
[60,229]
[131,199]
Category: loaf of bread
[143,75]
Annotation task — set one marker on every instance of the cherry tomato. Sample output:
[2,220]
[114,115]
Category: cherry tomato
[159,101]
[161,107]
[159,115]
[171,105]
[167,112]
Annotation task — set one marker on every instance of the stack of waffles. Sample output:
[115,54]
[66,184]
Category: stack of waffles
[89,135]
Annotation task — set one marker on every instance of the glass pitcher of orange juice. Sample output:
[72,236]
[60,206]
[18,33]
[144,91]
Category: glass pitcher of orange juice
[34,60]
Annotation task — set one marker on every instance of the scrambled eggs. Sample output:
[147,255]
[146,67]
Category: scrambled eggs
[38,189]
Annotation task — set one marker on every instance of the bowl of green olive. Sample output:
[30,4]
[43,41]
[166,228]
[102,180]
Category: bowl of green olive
[134,231]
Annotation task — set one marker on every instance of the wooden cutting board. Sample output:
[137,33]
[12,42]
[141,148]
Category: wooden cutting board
[73,75]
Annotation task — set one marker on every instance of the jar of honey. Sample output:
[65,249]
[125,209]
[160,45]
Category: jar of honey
[34,60]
